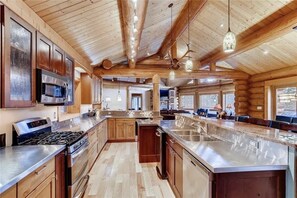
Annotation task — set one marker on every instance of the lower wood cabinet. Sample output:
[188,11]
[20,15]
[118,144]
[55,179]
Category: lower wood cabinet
[46,189]
[121,129]
[10,193]
[148,144]
[174,166]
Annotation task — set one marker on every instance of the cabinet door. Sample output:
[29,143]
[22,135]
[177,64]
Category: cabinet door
[130,130]
[111,129]
[178,173]
[46,189]
[10,193]
[18,71]
[147,144]
[69,73]
[170,164]
[44,52]
[58,61]
[120,130]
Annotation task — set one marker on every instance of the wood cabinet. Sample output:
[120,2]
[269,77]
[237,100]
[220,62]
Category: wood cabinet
[46,189]
[120,129]
[90,89]
[148,144]
[60,169]
[111,128]
[18,62]
[30,183]
[44,50]
[69,73]
[10,193]
[174,165]
[97,139]
[58,65]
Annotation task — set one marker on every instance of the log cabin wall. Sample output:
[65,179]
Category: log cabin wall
[258,102]
[241,97]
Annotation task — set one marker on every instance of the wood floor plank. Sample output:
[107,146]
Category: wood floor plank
[118,173]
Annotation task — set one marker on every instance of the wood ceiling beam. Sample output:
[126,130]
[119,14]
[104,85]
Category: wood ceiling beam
[181,24]
[127,12]
[274,30]
[163,73]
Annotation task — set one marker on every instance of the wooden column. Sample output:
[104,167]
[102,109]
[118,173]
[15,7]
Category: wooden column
[156,92]
[241,97]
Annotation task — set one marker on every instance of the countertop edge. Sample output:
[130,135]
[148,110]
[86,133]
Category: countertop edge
[21,176]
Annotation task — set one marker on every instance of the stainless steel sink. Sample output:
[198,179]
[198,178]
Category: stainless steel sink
[198,138]
[188,132]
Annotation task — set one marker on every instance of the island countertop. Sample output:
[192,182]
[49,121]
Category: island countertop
[16,162]
[267,133]
[220,156]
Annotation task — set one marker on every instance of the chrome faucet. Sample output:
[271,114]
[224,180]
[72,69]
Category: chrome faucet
[199,127]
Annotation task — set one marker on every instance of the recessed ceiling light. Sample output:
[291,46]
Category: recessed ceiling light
[135,18]
[265,52]
[222,25]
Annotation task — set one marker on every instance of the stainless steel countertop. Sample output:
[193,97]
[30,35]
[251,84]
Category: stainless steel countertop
[16,162]
[223,157]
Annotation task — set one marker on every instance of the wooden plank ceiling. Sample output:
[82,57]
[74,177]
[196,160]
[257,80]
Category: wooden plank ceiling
[209,27]
[94,29]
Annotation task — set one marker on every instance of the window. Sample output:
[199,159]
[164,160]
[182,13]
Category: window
[228,102]
[208,101]
[187,102]
[286,101]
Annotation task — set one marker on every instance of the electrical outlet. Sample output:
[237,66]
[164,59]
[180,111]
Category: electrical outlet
[259,107]
[55,115]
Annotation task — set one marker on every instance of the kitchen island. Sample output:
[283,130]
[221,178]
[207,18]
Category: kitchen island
[227,160]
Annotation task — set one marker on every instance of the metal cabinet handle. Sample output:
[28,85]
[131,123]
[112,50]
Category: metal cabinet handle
[39,171]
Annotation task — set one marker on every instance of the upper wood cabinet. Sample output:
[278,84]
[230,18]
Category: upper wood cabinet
[18,62]
[58,60]
[44,52]
[69,73]
[90,89]
[49,56]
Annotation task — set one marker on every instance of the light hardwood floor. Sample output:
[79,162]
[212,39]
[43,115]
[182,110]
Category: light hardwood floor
[118,173]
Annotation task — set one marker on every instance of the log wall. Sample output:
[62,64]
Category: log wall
[241,97]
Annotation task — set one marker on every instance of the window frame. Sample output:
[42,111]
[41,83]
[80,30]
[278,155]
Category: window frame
[187,94]
[209,93]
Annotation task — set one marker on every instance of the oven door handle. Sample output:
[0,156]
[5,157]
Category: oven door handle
[81,151]
[81,193]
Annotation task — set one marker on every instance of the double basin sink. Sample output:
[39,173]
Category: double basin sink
[192,136]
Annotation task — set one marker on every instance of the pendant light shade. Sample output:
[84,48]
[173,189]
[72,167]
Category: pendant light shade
[171,75]
[229,42]
[189,65]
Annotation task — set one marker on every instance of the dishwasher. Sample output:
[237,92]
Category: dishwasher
[197,179]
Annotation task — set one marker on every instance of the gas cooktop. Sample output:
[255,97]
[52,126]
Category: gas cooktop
[54,138]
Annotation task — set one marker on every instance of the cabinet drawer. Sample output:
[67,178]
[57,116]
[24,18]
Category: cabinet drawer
[29,183]
[92,135]
[46,189]
[176,146]
[92,154]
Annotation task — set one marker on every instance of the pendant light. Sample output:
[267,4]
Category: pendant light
[229,42]
[171,73]
[119,93]
[189,63]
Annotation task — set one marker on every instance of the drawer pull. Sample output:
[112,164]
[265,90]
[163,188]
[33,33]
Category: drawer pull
[39,171]
[172,142]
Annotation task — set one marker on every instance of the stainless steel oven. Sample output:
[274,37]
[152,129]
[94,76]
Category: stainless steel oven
[78,177]
[51,88]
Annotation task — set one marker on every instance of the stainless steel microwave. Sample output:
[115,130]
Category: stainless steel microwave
[51,88]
